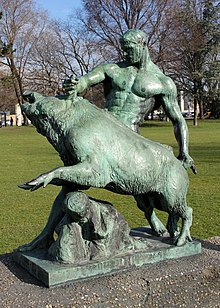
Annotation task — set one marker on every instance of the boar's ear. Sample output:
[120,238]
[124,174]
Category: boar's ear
[28,97]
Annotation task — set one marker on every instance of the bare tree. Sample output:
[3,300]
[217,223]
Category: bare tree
[188,47]
[108,20]
[21,26]
[7,95]
[62,50]
[77,48]
[44,67]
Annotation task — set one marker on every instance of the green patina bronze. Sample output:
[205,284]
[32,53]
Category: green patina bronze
[99,151]
[101,148]
[91,230]
[136,87]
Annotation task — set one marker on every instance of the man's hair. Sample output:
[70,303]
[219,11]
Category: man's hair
[134,35]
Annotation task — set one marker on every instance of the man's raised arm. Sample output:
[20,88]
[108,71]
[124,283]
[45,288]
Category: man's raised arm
[78,85]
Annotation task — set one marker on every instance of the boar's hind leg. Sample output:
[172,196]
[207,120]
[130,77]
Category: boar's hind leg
[172,224]
[186,216]
[146,204]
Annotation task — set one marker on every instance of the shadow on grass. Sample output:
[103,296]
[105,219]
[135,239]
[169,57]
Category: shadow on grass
[17,270]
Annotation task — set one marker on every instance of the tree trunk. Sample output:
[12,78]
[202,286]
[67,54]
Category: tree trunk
[201,110]
[17,82]
[195,120]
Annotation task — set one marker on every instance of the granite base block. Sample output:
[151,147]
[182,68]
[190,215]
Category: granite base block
[52,273]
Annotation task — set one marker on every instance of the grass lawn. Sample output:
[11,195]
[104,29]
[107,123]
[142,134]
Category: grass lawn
[25,154]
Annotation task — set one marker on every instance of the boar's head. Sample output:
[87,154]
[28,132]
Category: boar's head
[48,112]
[48,115]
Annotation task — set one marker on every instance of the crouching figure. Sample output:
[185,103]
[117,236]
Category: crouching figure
[90,230]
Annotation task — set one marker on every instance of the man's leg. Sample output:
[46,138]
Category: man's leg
[45,238]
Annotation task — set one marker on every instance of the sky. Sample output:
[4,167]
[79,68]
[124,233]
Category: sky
[59,8]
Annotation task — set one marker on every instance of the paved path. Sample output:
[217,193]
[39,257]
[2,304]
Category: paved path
[186,282]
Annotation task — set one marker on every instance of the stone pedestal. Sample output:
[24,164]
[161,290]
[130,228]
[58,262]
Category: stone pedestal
[53,273]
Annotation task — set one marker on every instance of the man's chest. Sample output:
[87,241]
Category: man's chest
[142,84]
[122,79]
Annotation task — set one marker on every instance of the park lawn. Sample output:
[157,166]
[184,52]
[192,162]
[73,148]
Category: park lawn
[25,154]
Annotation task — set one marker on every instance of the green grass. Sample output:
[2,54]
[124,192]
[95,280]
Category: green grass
[25,154]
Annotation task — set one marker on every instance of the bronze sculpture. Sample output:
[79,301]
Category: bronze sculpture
[116,159]
[100,148]
[135,87]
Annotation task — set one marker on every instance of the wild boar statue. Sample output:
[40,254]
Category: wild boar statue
[99,151]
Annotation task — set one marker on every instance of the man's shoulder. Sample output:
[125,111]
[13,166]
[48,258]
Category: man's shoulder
[110,68]
[114,65]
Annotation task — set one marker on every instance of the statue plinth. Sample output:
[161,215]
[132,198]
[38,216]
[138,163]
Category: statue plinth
[54,273]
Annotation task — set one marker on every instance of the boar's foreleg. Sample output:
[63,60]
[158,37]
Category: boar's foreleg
[85,174]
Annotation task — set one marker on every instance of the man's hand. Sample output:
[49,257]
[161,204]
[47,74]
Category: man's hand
[187,162]
[70,85]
